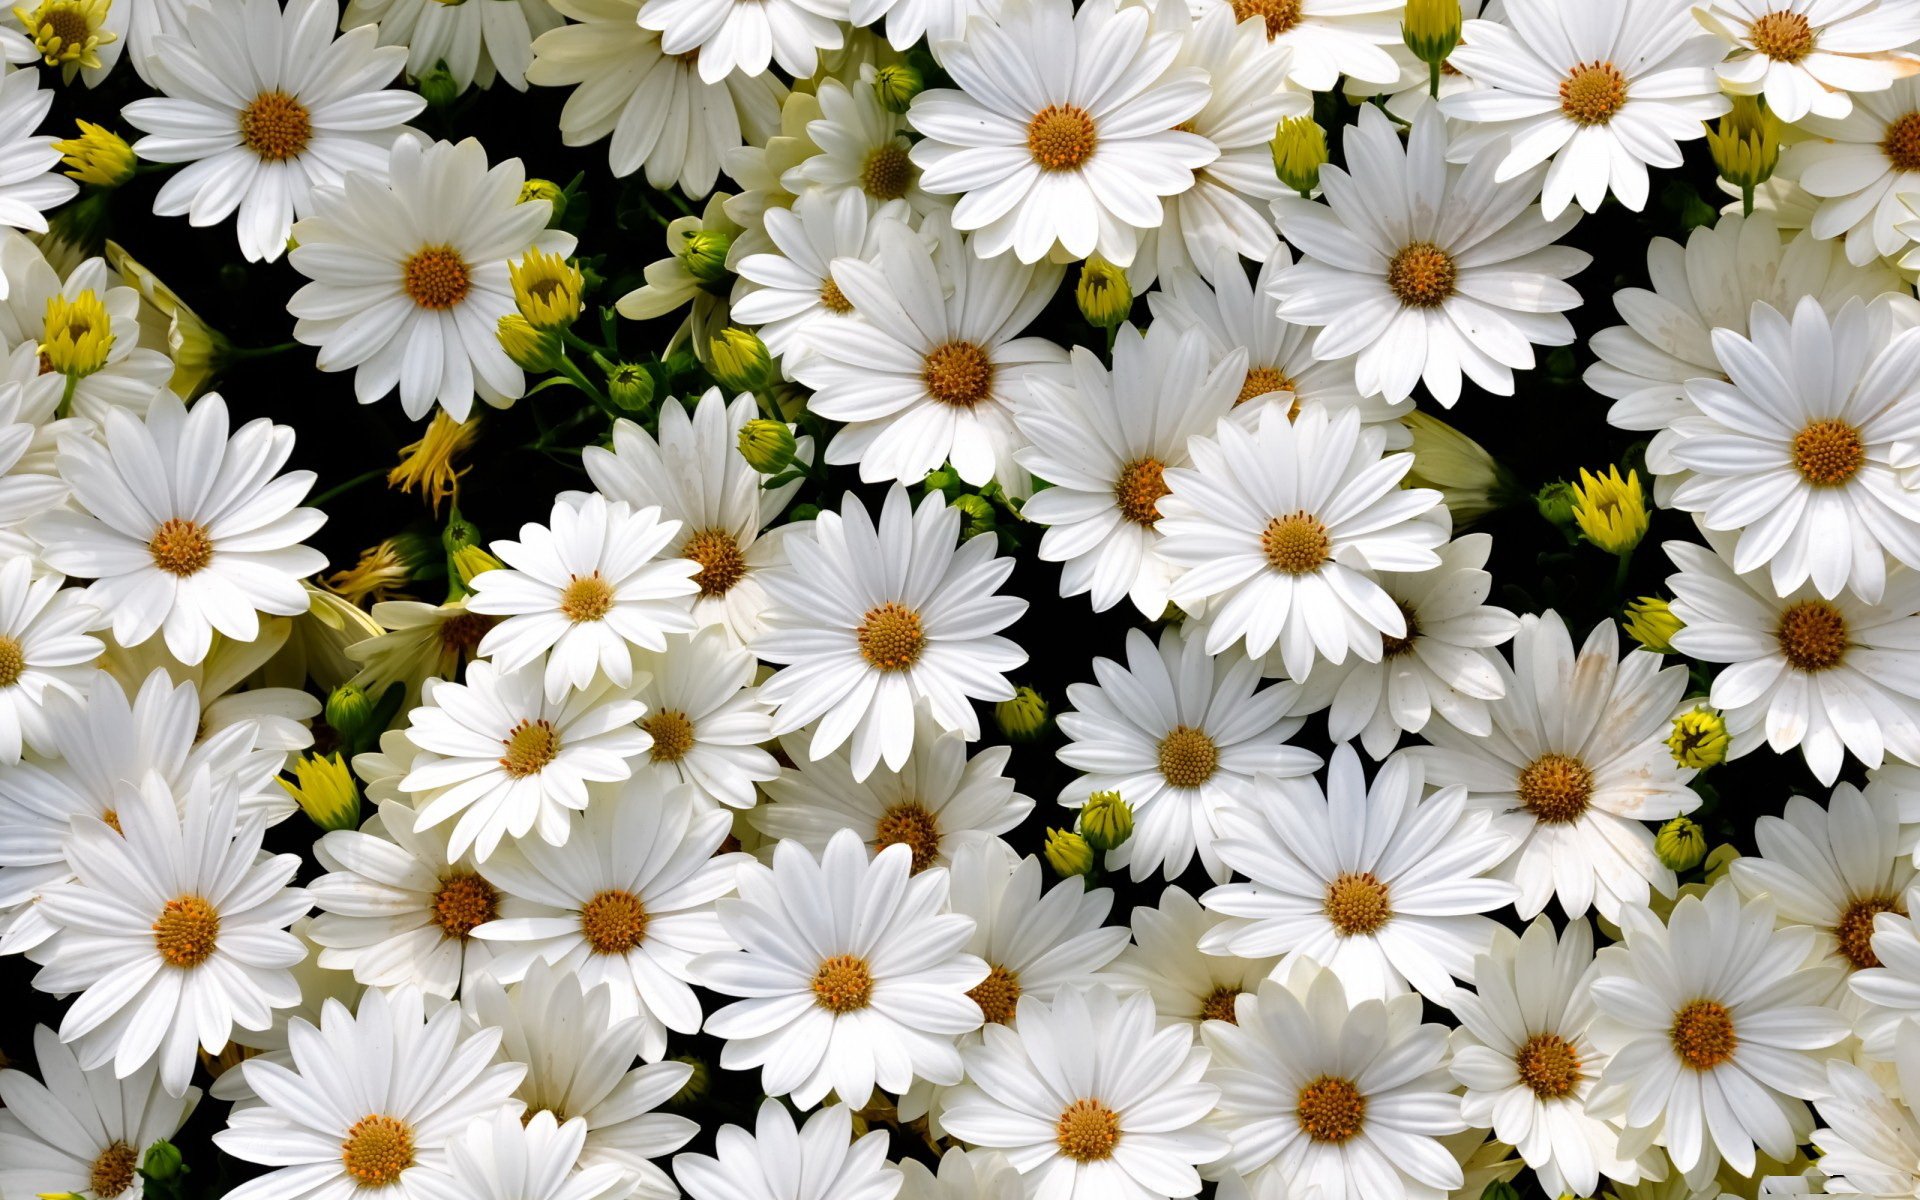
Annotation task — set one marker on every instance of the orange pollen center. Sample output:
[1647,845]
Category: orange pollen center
[1703,1035]
[1087,1131]
[1901,142]
[461,634]
[1280,15]
[613,922]
[1260,381]
[1296,544]
[1221,1004]
[912,826]
[833,299]
[958,373]
[436,277]
[586,598]
[998,995]
[187,931]
[1188,757]
[112,820]
[887,173]
[1061,137]
[890,637]
[1138,490]
[1331,1109]
[1592,93]
[1855,930]
[843,984]
[721,563]
[672,734]
[377,1150]
[1394,647]
[1812,635]
[1357,904]
[180,547]
[1548,1065]
[464,903]
[530,747]
[112,1171]
[13,661]
[1783,36]
[1422,275]
[1828,452]
[1556,788]
[275,126]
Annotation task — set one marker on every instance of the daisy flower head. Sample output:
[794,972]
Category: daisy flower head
[28,159]
[851,973]
[706,718]
[1104,440]
[1319,41]
[1833,676]
[474,46]
[1041,148]
[373,1103]
[503,1157]
[1713,1023]
[1384,888]
[1575,762]
[420,642]
[1860,169]
[30,433]
[1890,990]
[933,365]
[779,1162]
[84,326]
[860,147]
[1187,984]
[1604,94]
[693,473]
[1425,270]
[868,622]
[582,591]
[44,650]
[506,761]
[309,110]
[731,38]
[963,1175]
[1180,734]
[173,931]
[1869,1140]
[184,529]
[1278,531]
[1323,1092]
[627,902]
[83,1132]
[786,284]
[406,285]
[1809,56]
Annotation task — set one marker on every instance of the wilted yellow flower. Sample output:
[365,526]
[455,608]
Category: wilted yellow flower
[1745,144]
[99,156]
[1025,718]
[78,335]
[1699,739]
[198,350]
[1611,511]
[381,572]
[1299,151]
[546,289]
[325,791]
[1106,821]
[1650,621]
[68,33]
[1068,853]
[1103,293]
[1680,845]
[427,466]
[1469,481]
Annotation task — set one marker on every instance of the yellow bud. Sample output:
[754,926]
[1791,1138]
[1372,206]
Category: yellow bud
[1068,853]
[1025,718]
[325,791]
[530,348]
[99,156]
[896,86]
[1650,621]
[1106,821]
[1611,511]
[548,190]
[1745,143]
[77,337]
[546,289]
[739,361]
[767,445]
[467,561]
[704,251]
[1681,845]
[1299,151]
[1431,29]
[1103,293]
[1699,739]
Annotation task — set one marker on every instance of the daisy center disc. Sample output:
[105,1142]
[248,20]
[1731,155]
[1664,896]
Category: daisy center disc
[613,922]
[112,1171]
[1828,453]
[721,563]
[459,635]
[843,984]
[1592,93]
[1279,15]
[890,637]
[958,373]
[1548,1065]
[1262,380]
[1221,1004]
[187,931]
[1296,544]
[1357,904]
[998,995]
[887,173]
[13,661]
[180,547]
[1703,1035]
[672,734]
[586,598]
[1188,757]
[1061,137]
[436,277]
[1812,635]
[833,299]
[378,1148]
[912,826]
[464,903]
[1782,36]
[1087,1131]
[1901,142]
[1556,789]
[530,747]
[275,126]
[1138,490]
[1855,930]
[1331,1109]
[1422,275]
[67,23]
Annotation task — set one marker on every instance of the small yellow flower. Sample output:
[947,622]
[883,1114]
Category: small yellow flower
[1650,621]
[1103,293]
[531,348]
[379,575]
[325,791]
[1745,143]
[546,289]
[1611,511]
[68,33]
[1106,821]
[1068,853]
[1681,845]
[78,335]
[1025,718]
[427,466]
[1299,151]
[1468,479]
[1699,739]
[99,156]
[738,360]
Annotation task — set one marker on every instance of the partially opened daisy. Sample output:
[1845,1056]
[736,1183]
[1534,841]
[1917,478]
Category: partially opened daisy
[408,285]
[1604,95]
[30,433]
[1384,888]
[1187,984]
[1279,529]
[778,1161]
[706,718]
[724,38]
[1424,269]
[505,1157]
[1860,168]
[963,1175]
[582,591]
[27,159]
[1869,1140]
[44,650]
[309,109]
[868,622]
[1809,56]
[1040,143]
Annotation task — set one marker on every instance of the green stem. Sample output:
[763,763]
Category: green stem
[1746,199]
[578,378]
[65,408]
[342,489]
[1620,572]
[1433,80]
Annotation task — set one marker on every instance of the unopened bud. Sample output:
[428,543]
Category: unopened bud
[768,446]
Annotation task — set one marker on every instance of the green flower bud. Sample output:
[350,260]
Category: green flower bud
[531,349]
[1431,29]
[163,1162]
[941,479]
[896,86]
[1103,293]
[1299,151]
[1556,503]
[548,190]
[767,446]
[704,252]
[1681,845]
[1499,1190]
[350,712]
[1106,821]
[978,513]
[1745,144]
[439,87]
[1025,718]
[738,360]
[1699,739]
[1068,854]
[698,1084]
[630,387]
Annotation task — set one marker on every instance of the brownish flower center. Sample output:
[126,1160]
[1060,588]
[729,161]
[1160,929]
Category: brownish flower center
[672,734]
[1556,788]
[1221,1005]
[1331,1109]
[436,277]
[1061,137]
[887,174]
[843,984]
[68,23]
[1394,647]
[1087,1131]
[275,126]
[998,995]
[1592,93]
[1422,275]
[721,563]
[614,921]
[890,637]
[377,1150]
[187,931]
[833,299]
[530,747]
[181,547]
[1785,36]
[1280,15]
[1296,544]
[1828,452]
[912,826]
[459,635]
[1138,490]
[464,903]
[1812,635]
[1357,904]
[1260,381]
[112,1171]
[1703,1035]
[586,598]
[1855,930]
[1548,1065]
[1901,142]
[13,661]
[1188,757]
[958,373]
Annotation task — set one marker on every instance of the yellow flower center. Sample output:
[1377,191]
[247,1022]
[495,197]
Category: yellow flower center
[586,598]
[721,563]
[1260,381]
[890,637]
[1087,1131]
[187,931]
[13,661]
[887,173]
[1188,757]
[672,734]
[1357,904]
[1279,15]
[1556,788]
[1296,544]
[833,299]
[1901,142]
[1703,1035]
[1812,635]
[1855,930]
[1331,1110]
[843,984]
[1548,1065]
[378,1148]
[912,826]
[958,373]
[180,547]
[464,903]
[998,995]
[436,277]
[1592,93]
[112,1171]
[77,335]
[1785,36]
[613,921]
[530,747]
[1138,490]
[275,126]
[1422,275]
[1221,1004]
[1061,137]
[1828,452]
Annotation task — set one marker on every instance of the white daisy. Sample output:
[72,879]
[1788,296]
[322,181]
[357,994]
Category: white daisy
[1576,760]
[307,110]
[785,283]
[1328,1094]
[932,365]
[27,161]
[30,434]
[228,685]
[552,750]
[727,38]
[1806,56]
[861,147]
[421,642]
[1040,143]
[1712,1022]
[851,973]
[870,621]
[1187,984]
[1891,990]
[1088,1099]
[44,649]
[778,1162]
[1603,92]
[474,46]
[85,327]
[706,718]
[408,285]
[1104,439]
[1321,40]
[372,1105]
[1869,1141]
[1831,676]
[939,802]
[1280,528]
[626,902]
[503,1157]
[1407,95]
[580,592]
[173,931]
[82,1132]
[1180,734]
[1424,269]
[964,1175]
[1859,168]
